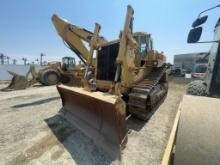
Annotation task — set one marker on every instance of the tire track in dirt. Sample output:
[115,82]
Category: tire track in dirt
[59,134]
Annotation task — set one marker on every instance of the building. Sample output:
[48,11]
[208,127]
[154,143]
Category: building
[188,61]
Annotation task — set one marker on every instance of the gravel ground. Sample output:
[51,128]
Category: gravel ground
[33,133]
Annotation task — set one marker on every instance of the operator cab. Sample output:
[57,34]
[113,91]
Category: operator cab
[215,53]
[146,44]
[68,63]
[212,79]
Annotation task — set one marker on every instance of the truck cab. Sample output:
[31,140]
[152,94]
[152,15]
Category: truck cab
[213,76]
[211,82]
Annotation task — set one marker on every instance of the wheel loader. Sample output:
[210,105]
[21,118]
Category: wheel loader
[74,38]
[129,79]
[52,73]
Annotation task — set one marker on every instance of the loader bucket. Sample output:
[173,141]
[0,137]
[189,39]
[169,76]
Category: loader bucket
[100,116]
[18,82]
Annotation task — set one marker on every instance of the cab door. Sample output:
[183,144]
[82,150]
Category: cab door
[215,83]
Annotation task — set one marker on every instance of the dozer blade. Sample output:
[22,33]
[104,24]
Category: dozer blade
[100,116]
[18,82]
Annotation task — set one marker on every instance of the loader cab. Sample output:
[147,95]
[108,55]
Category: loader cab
[68,63]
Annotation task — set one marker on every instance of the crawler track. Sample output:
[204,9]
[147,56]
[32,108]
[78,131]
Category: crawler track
[148,93]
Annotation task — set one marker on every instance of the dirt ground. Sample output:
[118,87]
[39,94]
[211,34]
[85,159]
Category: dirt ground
[31,132]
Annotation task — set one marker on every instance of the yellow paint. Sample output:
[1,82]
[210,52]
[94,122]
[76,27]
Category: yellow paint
[169,147]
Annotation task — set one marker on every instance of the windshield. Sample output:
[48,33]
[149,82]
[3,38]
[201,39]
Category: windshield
[200,69]
[143,44]
[70,62]
[144,47]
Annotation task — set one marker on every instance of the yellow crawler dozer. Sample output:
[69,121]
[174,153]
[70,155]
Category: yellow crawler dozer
[129,78]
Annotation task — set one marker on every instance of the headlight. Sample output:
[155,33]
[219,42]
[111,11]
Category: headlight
[155,63]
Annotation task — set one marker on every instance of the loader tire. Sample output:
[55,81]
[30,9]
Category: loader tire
[197,88]
[50,77]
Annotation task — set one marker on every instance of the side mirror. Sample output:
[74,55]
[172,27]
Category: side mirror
[199,21]
[194,35]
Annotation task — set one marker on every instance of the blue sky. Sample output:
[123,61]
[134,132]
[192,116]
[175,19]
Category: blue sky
[26,29]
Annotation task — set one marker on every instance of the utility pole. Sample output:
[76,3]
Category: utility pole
[14,61]
[2,58]
[25,60]
[8,59]
[41,58]
[37,60]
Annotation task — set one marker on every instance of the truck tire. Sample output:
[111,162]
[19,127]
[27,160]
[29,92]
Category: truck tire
[197,88]
[50,77]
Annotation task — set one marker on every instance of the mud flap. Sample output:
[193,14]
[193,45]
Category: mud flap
[100,116]
[18,82]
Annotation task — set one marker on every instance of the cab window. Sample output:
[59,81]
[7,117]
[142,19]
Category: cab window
[143,46]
